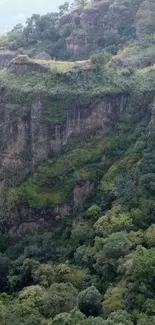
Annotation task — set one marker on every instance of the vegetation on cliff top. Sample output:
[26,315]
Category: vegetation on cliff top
[95,266]
[59,90]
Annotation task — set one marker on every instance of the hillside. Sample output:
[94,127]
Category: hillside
[86,27]
[77,167]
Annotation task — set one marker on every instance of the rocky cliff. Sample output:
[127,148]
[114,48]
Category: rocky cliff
[54,120]
[6,56]
[29,138]
[83,29]
[101,24]
[77,171]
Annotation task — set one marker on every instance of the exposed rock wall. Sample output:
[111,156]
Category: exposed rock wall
[101,24]
[26,219]
[29,139]
[26,141]
[22,64]
[82,193]
[5,57]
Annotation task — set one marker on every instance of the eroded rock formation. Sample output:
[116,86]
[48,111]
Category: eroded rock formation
[29,139]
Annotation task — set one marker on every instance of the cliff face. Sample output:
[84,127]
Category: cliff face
[53,145]
[27,137]
[101,24]
[5,57]
[81,30]
[28,140]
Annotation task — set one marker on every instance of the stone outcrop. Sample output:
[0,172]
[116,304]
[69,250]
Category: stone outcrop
[27,140]
[82,193]
[77,44]
[100,24]
[22,65]
[25,219]
[5,57]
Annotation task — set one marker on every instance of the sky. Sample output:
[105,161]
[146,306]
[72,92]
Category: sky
[13,12]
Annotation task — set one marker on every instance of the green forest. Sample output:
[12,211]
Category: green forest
[95,266]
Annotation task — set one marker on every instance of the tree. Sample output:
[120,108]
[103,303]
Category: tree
[17,313]
[141,274]
[150,236]
[81,233]
[5,264]
[119,318]
[114,220]
[59,298]
[82,3]
[22,273]
[72,318]
[14,36]
[63,8]
[116,245]
[93,212]
[145,24]
[32,295]
[144,319]
[89,302]
[3,313]
[113,299]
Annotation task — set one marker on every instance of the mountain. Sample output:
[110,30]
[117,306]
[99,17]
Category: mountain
[77,173]
[14,12]
[78,31]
